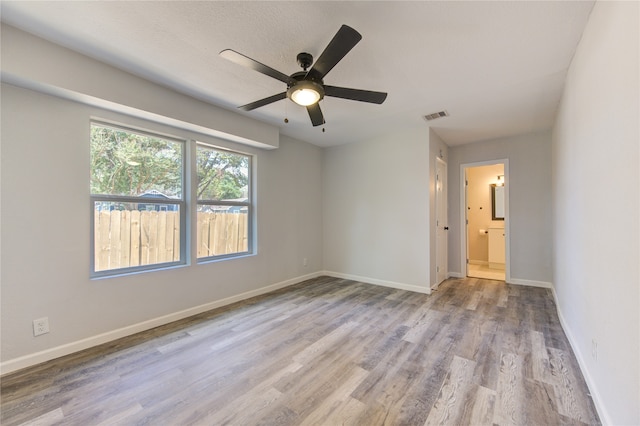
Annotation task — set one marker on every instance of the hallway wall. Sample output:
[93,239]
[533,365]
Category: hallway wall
[529,173]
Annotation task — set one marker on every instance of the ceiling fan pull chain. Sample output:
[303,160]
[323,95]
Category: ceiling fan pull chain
[286,120]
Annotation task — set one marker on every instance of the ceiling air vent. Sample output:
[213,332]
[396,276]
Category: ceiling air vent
[435,115]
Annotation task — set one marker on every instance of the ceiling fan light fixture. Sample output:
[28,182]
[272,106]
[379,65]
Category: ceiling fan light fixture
[305,97]
[306,93]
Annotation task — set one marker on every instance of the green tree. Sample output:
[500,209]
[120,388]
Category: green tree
[130,164]
[221,175]
[124,163]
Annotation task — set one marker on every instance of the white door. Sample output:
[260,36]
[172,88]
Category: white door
[441,222]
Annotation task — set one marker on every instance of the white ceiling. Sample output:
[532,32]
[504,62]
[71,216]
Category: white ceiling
[498,68]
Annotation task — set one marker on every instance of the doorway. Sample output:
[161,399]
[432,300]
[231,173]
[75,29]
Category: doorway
[485,236]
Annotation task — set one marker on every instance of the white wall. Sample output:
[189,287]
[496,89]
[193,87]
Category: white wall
[596,209]
[45,229]
[529,209]
[376,210]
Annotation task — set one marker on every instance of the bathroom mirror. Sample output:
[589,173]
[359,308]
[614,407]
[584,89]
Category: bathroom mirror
[497,202]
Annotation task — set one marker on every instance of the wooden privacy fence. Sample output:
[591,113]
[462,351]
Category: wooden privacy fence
[222,233]
[132,238]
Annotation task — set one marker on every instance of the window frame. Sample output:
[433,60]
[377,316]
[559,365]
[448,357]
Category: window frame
[181,202]
[248,204]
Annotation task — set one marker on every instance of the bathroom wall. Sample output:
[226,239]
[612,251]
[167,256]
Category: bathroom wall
[479,210]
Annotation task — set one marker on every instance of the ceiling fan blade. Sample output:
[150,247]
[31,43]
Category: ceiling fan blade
[263,102]
[344,40]
[315,113]
[355,94]
[246,61]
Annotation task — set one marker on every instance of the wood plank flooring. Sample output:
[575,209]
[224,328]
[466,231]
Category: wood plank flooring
[325,352]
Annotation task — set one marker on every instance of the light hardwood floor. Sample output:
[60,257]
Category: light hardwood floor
[325,352]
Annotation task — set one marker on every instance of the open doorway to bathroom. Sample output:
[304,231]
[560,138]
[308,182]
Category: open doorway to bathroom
[485,218]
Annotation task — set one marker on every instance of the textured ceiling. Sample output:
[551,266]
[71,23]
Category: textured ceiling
[498,68]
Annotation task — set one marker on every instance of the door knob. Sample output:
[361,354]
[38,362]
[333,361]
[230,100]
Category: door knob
[446,228]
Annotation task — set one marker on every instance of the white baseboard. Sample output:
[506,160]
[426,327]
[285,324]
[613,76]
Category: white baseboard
[456,275]
[69,348]
[478,262]
[375,281]
[605,419]
[531,283]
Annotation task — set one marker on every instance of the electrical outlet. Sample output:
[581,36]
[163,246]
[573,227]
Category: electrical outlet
[594,349]
[305,262]
[40,326]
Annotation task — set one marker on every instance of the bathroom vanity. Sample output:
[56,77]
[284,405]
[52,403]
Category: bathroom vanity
[496,248]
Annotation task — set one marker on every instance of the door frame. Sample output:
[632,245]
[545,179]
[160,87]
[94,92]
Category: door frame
[464,249]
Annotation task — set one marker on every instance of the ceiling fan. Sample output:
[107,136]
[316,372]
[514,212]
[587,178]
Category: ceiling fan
[307,88]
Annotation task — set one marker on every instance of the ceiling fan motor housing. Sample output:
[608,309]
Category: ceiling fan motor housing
[305,60]
[303,80]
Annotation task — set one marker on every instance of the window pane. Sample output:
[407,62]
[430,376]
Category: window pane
[222,175]
[130,164]
[222,230]
[135,234]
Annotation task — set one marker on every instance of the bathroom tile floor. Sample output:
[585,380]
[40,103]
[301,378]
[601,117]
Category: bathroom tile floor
[483,271]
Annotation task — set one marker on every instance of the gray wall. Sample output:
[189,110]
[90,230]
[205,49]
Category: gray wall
[596,198]
[376,210]
[529,182]
[46,231]
[32,62]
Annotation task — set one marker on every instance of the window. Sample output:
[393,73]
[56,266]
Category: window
[139,202]
[137,197]
[224,203]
